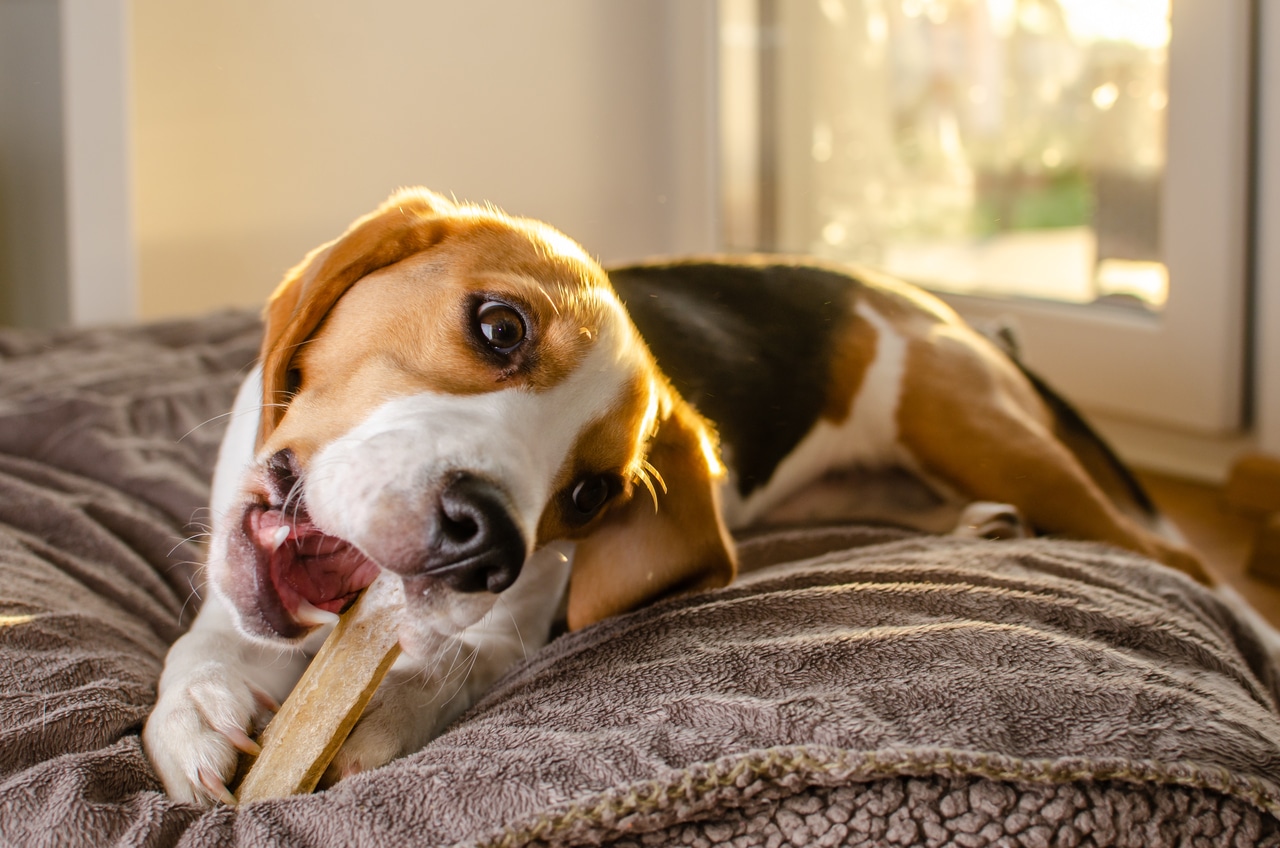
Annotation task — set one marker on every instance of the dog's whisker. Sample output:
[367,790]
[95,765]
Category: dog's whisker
[472,656]
[284,655]
[459,644]
[232,415]
[431,670]
[206,422]
[515,624]
[293,500]
[451,644]
[192,539]
[192,596]
[431,664]
[180,563]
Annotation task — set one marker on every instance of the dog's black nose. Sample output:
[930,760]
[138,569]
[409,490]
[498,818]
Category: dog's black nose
[473,544]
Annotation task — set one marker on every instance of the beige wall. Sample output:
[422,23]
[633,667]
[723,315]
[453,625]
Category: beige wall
[262,128]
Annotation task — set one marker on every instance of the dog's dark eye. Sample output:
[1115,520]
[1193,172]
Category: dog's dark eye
[591,493]
[500,325]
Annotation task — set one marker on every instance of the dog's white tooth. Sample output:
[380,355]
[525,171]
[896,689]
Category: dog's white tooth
[313,616]
[282,533]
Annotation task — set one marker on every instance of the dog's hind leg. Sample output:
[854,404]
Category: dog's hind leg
[970,419]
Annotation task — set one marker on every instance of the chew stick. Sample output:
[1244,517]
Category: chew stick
[300,742]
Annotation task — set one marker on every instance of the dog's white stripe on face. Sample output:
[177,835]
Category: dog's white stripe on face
[378,480]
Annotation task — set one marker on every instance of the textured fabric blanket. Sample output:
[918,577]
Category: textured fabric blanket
[857,686]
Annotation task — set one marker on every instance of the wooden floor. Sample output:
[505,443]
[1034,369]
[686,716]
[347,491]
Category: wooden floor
[1221,535]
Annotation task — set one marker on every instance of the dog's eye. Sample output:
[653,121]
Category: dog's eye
[500,325]
[591,493]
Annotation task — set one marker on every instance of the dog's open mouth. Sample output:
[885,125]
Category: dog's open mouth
[304,576]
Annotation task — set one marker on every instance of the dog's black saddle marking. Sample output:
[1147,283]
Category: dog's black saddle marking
[748,343]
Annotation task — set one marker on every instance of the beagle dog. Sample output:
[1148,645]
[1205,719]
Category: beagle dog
[467,400]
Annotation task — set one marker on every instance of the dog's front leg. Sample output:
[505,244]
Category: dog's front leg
[216,688]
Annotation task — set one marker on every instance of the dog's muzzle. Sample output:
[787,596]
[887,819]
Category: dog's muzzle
[472,542]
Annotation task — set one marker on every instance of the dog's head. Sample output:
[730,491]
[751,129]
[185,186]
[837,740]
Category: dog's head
[445,390]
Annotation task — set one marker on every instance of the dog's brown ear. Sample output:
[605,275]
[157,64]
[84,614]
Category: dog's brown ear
[409,222]
[643,551]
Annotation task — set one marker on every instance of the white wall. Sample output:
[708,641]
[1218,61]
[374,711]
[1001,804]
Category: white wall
[262,128]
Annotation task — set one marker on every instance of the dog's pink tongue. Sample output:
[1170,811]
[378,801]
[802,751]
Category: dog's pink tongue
[308,565]
[325,571]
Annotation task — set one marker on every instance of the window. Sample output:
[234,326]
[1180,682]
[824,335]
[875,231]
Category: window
[1074,168]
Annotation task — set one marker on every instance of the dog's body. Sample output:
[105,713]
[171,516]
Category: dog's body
[481,416]
[811,375]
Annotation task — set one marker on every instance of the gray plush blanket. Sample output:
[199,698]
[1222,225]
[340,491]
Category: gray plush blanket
[857,686]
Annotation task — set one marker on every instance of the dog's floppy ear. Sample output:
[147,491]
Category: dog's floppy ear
[409,222]
[642,551]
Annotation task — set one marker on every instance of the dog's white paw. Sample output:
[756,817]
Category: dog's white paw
[200,724]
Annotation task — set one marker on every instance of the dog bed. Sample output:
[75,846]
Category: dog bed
[858,686]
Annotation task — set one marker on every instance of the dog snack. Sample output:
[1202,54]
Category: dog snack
[302,739]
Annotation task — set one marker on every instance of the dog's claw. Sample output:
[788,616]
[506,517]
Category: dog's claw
[215,787]
[242,741]
[264,700]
